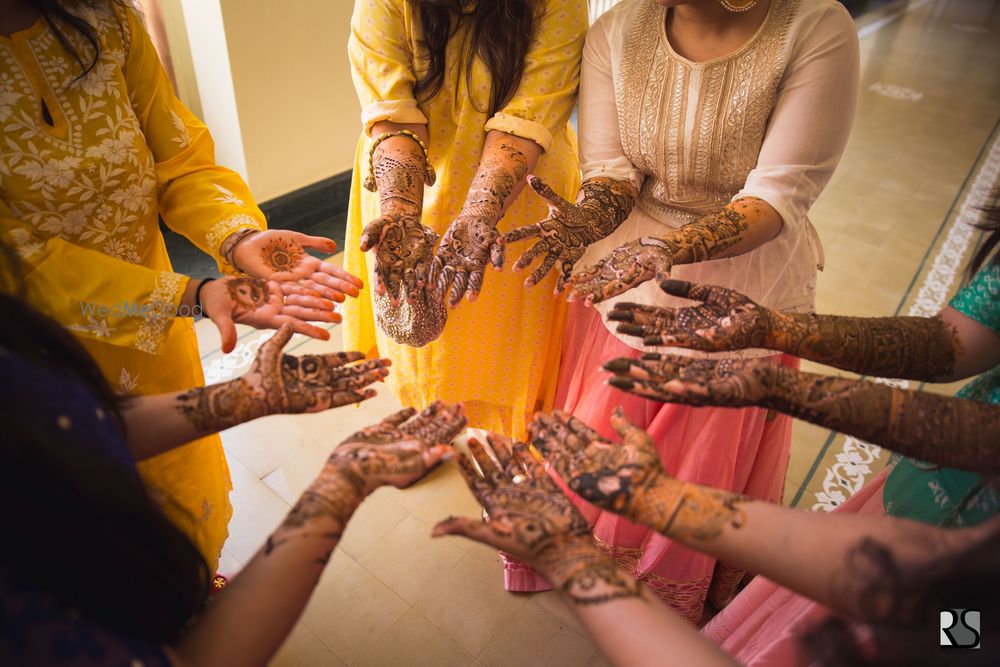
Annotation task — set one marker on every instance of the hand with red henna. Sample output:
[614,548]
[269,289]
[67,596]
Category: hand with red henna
[564,235]
[260,303]
[401,448]
[280,255]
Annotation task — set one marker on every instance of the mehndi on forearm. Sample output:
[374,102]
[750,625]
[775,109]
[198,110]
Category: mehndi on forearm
[399,168]
[948,431]
[585,575]
[688,513]
[604,203]
[917,348]
[503,166]
[221,406]
[712,235]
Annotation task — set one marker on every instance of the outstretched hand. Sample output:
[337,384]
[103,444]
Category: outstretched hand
[528,514]
[626,267]
[609,475]
[280,255]
[260,303]
[401,448]
[669,378]
[724,320]
[313,382]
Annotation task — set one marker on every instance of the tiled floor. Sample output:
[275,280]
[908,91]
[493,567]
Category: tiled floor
[393,596]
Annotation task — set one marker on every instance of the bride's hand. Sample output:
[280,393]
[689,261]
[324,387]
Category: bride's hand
[626,267]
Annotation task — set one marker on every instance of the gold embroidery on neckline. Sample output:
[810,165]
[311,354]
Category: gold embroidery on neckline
[692,174]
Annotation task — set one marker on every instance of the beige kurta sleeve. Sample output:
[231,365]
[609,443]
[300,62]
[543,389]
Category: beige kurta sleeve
[812,116]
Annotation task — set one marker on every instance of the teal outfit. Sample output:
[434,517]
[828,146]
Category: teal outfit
[945,496]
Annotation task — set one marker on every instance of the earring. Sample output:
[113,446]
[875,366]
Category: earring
[738,5]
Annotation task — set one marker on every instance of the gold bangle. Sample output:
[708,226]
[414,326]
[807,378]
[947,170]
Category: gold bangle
[429,175]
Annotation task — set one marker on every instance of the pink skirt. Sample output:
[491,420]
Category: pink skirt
[763,626]
[743,450]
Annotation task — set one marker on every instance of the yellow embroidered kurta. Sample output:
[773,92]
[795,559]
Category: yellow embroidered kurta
[499,354]
[79,197]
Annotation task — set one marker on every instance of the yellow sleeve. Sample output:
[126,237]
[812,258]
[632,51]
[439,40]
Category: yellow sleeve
[382,63]
[197,198]
[545,98]
[92,294]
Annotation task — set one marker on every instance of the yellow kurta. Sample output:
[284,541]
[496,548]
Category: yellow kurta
[79,200]
[499,354]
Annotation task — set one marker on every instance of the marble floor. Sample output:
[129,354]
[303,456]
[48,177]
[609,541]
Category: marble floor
[924,151]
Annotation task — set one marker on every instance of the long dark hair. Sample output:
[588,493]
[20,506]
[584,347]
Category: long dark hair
[905,608]
[61,15]
[989,223]
[499,34]
[76,524]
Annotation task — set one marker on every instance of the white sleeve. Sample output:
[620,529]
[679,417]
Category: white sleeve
[811,120]
[601,152]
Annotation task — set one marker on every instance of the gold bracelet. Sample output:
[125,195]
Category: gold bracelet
[429,175]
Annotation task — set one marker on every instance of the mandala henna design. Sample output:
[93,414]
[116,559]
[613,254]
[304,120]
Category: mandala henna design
[564,235]
[280,254]
[472,240]
[248,293]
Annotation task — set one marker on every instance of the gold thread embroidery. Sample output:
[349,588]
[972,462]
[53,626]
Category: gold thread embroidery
[222,229]
[162,306]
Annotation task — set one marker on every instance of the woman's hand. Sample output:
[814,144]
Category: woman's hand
[282,384]
[609,475]
[727,383]
[626,267]
[724,320]
[260,303]
[404,249]
[459,267]
[528,514]
[280,255]
[565,234]
[401,448]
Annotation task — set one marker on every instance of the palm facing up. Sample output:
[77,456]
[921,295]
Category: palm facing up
[401,448]
[528,515]
[724,320]
[608,475]
[675,379]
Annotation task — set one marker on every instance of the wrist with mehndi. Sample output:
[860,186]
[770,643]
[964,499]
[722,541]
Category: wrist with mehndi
[656,502]
[584,574]
[340,485]
[785,332]
[566,557]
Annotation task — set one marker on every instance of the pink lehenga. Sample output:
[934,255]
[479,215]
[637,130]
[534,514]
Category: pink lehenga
[768,121]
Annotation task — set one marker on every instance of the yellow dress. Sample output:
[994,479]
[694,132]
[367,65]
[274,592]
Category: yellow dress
[79,197]
[499,354]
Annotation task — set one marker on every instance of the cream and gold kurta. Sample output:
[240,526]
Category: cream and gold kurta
[80,191]
[499,354]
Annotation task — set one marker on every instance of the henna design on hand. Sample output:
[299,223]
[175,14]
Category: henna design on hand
[676,379]
[247,293]
[278,383]
[626,267]
[472,240]
[924,348]
[531,519]
[634,263]
[564,235]
[403,247]
[281,254]
[628,478]
[401,448]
